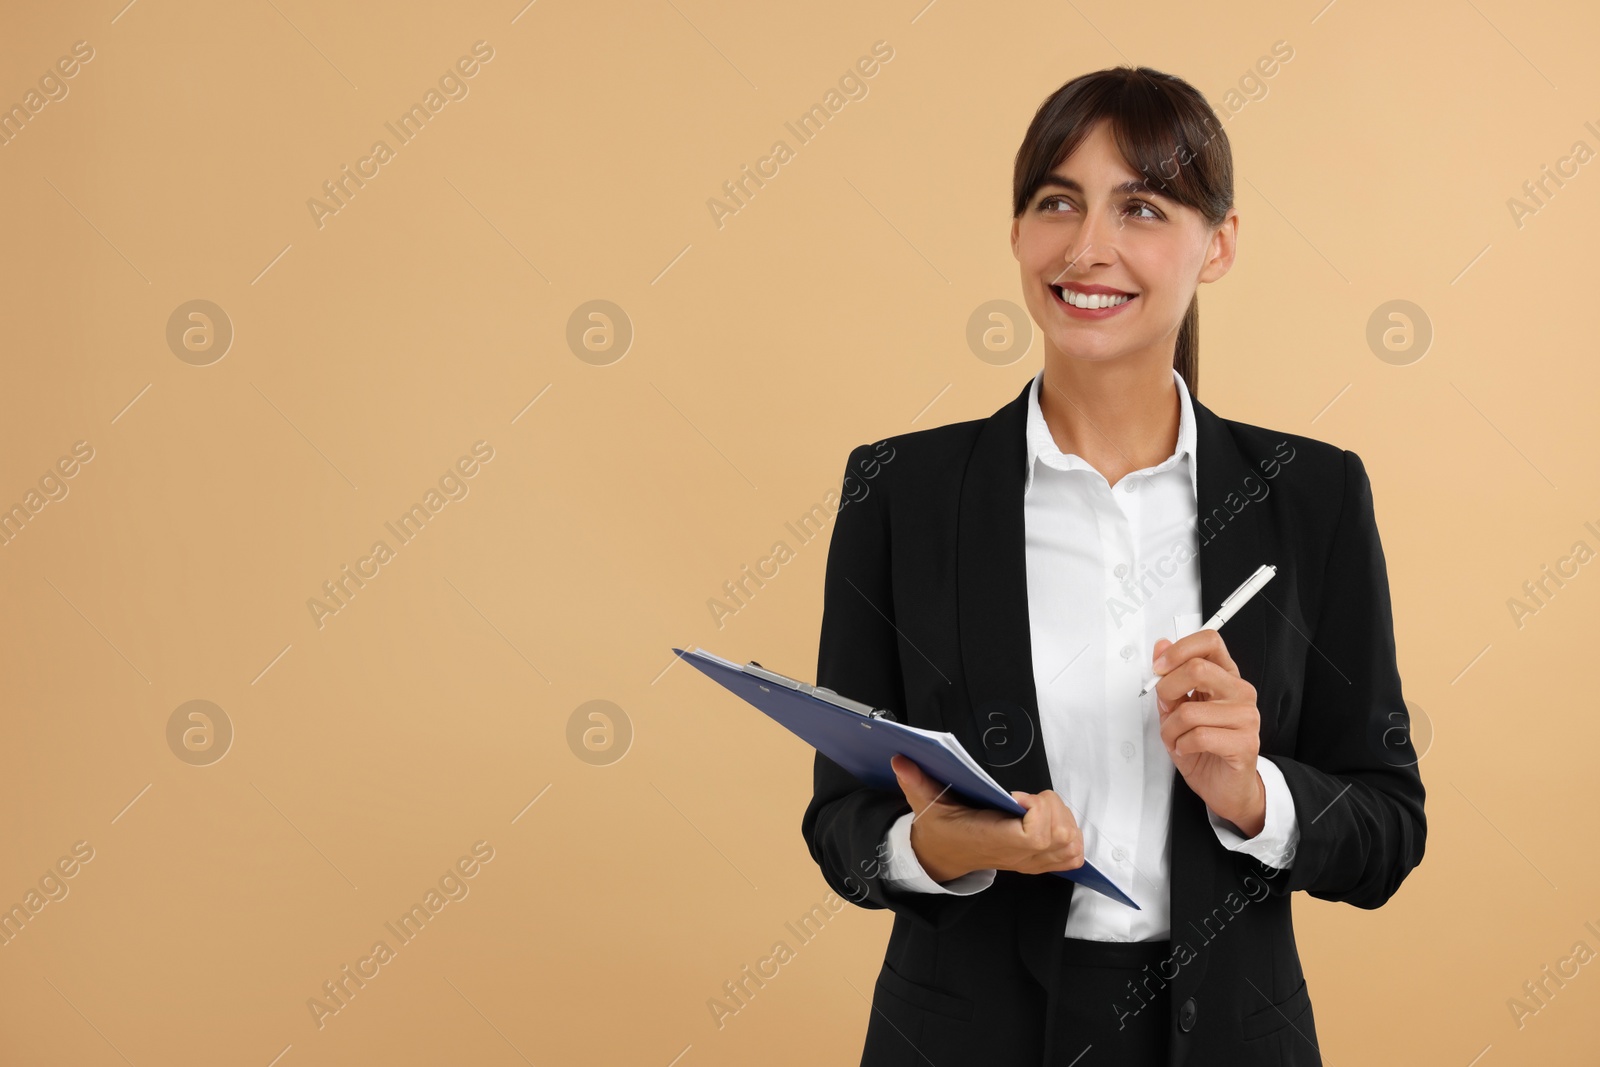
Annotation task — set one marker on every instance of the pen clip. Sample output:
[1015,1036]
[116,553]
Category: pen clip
[1245,587]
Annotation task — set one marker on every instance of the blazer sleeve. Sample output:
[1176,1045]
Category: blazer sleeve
[846,824]
[1357,791]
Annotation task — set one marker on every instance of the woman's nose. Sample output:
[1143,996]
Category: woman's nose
[1094,242]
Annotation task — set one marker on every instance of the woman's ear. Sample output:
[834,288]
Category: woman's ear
[1222,248]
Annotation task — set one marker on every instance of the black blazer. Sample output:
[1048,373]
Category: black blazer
[925,613]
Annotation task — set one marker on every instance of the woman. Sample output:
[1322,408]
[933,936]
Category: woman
[1015,579]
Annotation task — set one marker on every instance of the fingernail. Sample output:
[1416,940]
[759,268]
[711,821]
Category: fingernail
[1161,664]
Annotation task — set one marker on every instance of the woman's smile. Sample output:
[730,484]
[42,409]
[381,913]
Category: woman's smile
[1091,301]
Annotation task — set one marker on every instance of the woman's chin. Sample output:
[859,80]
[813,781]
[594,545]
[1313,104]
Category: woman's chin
[1090,349]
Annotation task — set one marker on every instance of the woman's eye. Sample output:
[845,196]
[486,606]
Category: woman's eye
[1050,203]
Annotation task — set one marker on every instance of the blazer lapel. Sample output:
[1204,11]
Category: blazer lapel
[992,596]
[997,659]
[997,652]
[1229,538]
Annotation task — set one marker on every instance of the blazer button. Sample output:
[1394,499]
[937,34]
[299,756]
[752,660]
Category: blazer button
[1186,1015]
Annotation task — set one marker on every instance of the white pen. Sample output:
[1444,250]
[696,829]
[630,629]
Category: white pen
[1234,601]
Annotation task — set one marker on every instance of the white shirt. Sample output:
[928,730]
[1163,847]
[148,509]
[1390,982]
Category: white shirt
[1110,570]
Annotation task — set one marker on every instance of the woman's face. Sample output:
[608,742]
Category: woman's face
[1082,232]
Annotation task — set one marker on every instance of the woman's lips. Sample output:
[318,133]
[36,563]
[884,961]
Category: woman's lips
[1089,313]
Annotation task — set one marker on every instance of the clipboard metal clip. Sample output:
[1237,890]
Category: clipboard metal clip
[820,692]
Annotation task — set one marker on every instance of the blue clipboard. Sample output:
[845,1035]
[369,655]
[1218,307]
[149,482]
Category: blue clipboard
[861,739]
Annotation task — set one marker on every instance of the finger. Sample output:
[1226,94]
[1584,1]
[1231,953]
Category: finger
[1218,653]
[1204,644]
[1165,707]
[1219,741]
[1162,644]
[904,770]
[1066,829]
[1215,717]
[1062,821]
[1203,676]
[1058,806]
[914,783]
[1192,713]
[1039,818]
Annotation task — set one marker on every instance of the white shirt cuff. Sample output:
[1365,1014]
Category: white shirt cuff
[904,872]
[1275,845]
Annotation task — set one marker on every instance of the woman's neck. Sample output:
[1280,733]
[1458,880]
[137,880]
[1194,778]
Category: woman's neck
[1118,416]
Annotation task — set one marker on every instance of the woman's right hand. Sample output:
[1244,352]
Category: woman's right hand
[951,839]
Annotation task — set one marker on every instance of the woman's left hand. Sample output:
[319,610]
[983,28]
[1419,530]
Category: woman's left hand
[1211,727]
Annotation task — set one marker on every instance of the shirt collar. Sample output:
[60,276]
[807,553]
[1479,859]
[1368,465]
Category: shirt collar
[1042,447]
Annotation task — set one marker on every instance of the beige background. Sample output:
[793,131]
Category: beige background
[433,711]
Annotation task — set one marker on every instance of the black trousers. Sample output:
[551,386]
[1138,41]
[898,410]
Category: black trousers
[1113,1010]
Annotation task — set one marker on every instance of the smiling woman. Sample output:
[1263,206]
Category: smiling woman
[965,595]
[1161,168]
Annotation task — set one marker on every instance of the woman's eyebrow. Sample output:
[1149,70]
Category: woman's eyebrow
[1134,186]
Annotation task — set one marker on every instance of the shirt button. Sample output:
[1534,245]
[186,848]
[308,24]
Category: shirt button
[1118,855]
[1130,484]
[1127,651]
[1120,570]
[1127,750]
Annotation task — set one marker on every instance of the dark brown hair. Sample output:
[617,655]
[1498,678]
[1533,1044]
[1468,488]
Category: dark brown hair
[1165,130]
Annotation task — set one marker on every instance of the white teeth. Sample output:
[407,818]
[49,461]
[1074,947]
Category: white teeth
[1100,300]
